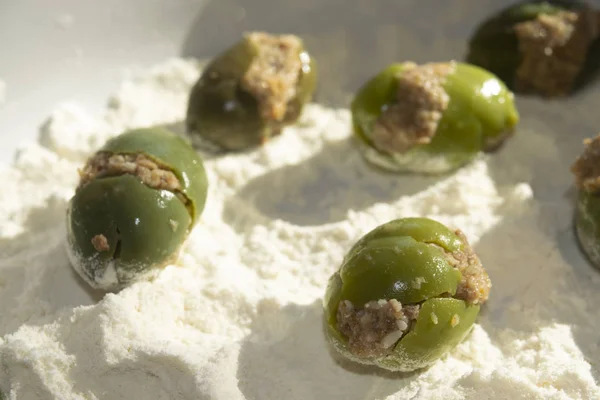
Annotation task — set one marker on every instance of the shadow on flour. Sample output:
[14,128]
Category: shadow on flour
[587,281]
[543,147]
[529,283]
[41,224]
[33,380]
[350,39]
[541,153]
[287,357]
[180,130]
[323,188]
[35,265]
[131,373]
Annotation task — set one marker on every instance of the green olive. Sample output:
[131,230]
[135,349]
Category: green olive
[480,114]
[503,46]
[223,111]
[587,210]
[138,198]
[406,294]
[587,225]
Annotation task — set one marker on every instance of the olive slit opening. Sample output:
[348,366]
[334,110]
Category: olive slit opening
[152,172]
[418,305]
[117,252]
[417,286]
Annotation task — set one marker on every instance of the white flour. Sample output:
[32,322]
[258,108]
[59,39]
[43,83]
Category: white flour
[239,316]
[2,92]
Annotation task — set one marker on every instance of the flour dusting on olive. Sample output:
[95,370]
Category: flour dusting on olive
[455,320]
[139,190]
[418,281]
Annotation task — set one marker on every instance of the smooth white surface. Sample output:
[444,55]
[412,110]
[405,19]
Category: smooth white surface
[74,50]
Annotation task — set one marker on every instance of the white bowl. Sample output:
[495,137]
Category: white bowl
[73,50]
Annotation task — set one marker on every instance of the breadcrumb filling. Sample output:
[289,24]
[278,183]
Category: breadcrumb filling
[420,103]
[475,284]
[587,167]
[152,174]
[554,48]
[272,77]
[373,330]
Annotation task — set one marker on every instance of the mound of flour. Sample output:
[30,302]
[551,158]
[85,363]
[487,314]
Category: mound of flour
[239,315]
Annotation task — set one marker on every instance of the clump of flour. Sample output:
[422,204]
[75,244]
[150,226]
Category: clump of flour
[239,315]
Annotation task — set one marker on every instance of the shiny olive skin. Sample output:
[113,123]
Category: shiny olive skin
[495,47]
[480,115]
[144,227]
[173,151]
[587,225]
[383,265]
[221,113]
[135,219]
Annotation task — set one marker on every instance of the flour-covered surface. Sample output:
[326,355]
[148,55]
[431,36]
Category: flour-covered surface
[239,315]
[2,92]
